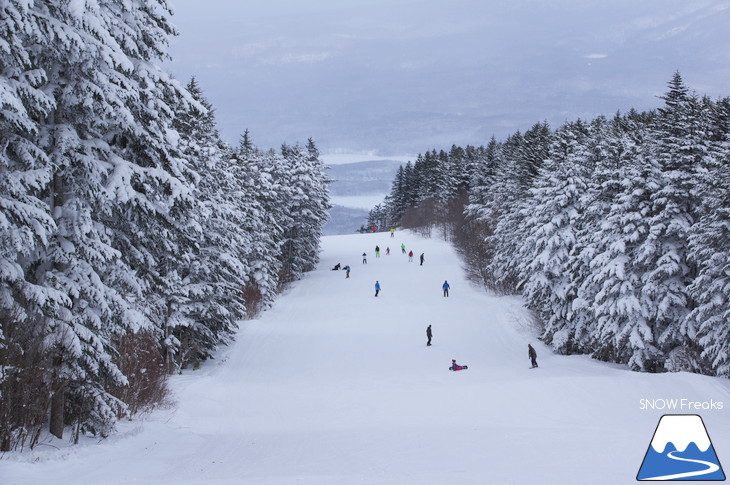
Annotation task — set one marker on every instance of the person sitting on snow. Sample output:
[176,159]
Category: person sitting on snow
[337,266]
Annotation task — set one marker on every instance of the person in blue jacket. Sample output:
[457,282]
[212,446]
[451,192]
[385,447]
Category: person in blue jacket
[446,287]
[377,288]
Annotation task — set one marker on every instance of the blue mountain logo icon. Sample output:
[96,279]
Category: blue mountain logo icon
[681,450]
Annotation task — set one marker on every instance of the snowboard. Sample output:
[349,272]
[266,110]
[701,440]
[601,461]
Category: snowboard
[461,367]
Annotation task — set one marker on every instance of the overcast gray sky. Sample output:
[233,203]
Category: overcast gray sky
[397,77]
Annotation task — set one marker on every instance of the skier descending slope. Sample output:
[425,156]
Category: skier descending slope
[532,355]
[377,288]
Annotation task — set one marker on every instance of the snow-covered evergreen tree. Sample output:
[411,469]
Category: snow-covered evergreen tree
[104,128]
[709,244]
[25,169]
[678,150]
[308,207]
[552,221]
[211,285]
[614,289]
[516,173]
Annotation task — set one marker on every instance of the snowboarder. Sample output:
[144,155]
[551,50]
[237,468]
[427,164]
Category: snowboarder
[377,251]
[347,271]
[422,259]
[377,288]
[364,258]
[337,266]
[410,256]
[387,251]
[403,248]
[392,232]
[446,287]
[429,335]
[455,366]
[532,355]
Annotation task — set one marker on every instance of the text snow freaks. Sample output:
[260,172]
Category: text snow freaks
[679,405]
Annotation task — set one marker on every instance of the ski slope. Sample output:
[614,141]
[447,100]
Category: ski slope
[333,386]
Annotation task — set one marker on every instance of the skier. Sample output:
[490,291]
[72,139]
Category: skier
[446,287]
[403,248]
[377,251]
[429,335]
[347,271]
[364,258]
[337,266]
[422,259]
[377,288]
[387,251]
[410,256]
[532,355]
[392,232]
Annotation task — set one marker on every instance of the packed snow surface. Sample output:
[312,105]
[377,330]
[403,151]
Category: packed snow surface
[334,386]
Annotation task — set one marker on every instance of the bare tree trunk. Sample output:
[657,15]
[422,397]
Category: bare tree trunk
[58,403]
[58,399]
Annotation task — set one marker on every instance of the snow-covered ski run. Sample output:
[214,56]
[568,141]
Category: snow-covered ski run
[335,387]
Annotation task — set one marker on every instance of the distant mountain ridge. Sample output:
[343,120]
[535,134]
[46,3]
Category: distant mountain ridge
[372,177]
[363,178]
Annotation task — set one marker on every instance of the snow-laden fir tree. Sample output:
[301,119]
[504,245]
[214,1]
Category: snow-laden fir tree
[516,172]
[611,293]
[212,284]
[25,225]
[552,223]
[709,241]
[678,149]
[308,207]
[104,127]
[259,204]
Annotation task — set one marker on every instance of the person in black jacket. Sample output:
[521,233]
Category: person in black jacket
[532,355]
[429,335]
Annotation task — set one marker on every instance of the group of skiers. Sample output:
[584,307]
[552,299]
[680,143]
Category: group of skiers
[346,268]
[531,353]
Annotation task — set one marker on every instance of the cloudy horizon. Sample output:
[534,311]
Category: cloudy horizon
[388,78]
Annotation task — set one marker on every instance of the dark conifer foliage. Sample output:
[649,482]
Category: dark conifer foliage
[614,230]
